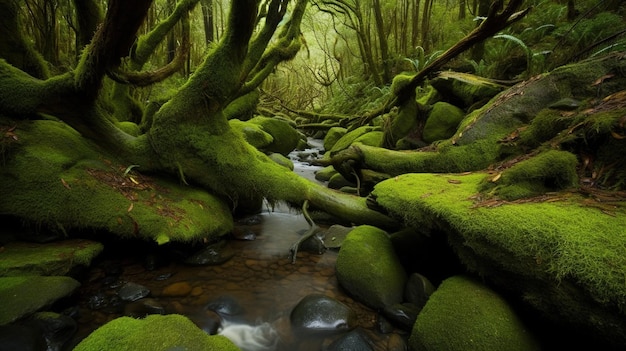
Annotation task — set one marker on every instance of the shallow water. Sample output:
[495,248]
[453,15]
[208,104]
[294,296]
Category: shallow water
[259,277]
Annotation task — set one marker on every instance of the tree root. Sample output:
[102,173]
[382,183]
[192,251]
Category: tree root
[314,229]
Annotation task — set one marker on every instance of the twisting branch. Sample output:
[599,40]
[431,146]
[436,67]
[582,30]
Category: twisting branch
[146,78]
[494,23]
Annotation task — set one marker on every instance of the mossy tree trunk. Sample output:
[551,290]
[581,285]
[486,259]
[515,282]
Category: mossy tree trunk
[189,136]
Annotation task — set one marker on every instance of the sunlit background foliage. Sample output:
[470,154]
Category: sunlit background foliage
[353,48]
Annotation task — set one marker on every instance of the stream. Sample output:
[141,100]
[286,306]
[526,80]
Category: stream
[257,287]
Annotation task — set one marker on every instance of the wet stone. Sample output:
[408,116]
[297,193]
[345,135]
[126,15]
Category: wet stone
[225,305]
[164,276]
[196,291]
[143,308]
[396,343]
[57,329]
[383,325]
[133,292]
[251,220]
[244,234]
[319,313]
[177,289]
[418,289]
[215,254]
[402,315]
[335,235]
[354,340]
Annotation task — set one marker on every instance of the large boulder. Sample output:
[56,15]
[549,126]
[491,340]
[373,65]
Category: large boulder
[56,258]
[558,257]
[465,89]
[463,314]
[368,268]
[286,137]
[153,333]
[22,296]
[442,122]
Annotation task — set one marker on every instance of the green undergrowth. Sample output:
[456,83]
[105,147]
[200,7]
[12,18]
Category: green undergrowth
[565,239]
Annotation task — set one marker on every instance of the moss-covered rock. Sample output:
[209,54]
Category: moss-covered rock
[347,140]
[368,268]
[22,296]
[551,170]
[243,107]
[286,137]
[442,122]
[401,123]
[465,88]
[281,160]
[57,258]
[463,314]
[77,186]
[153,333]
[324,174]
[253,133]
[558,257]
[332,136]
[373,138]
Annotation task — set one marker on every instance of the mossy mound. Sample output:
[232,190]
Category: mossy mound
[153,333]
[76,186]
[57,258]
[253,133]
[548,171]
[463,314]
[465,88]
[368,268]
[560,257]
[22,296]
[332,136]
[286,137]
[373,138]
[347,140]
[442,122]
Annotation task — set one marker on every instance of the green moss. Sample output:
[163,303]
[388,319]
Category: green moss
[253,133]
[130,128]
[368,268]
[463,314]
[22,296]
[566,254]
[345,141]
[76,187]
[402,123]
[551,170]
[324,174]
[243,107]
[153,333]
[58,258]
[442,122]
[282,160]
[332,136]
[285,136]
[546,125]
[400,81]
[465,88]
[373,138]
